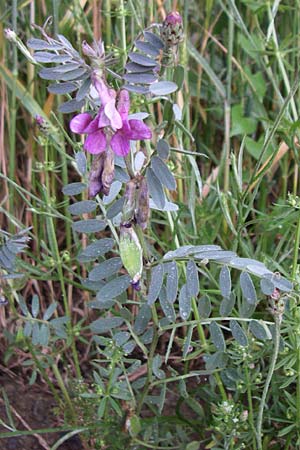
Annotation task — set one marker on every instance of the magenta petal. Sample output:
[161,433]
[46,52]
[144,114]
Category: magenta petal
[119,144]
[79,123]
[103,119]
[139,130]
[93,125]
[113,115]
[95,142]
[126,130]
[123,104]
[105,94]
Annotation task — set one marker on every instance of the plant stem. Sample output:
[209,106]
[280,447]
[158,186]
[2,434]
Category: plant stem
[149,372]
[109,384]
[108,33]
[227,105]
[56,255]
[296,249]
[268,381]
[123,32]
[298,389]
[250,404]
[143,242]
[63,389]
[13,108]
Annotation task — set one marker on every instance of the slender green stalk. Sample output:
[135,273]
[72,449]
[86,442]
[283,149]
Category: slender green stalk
[281,63]
[250,404]
[149,371]
[288,443]
[285,80]
[13,107]
[56,255]
[143,242]
[63,389]
[63,154]
[55,5]
[16,433]
[112,367]
[298,389]
[296,249]
[123,32]
[227,104]
[108,32]
[57,258]
[65,437]
[262,403]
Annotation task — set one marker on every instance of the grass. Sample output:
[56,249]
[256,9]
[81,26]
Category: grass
[235,158]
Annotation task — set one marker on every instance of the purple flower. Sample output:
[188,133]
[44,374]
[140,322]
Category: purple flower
[132,130]
[109,114]
[116,118]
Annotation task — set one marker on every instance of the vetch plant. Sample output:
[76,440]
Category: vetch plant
[196,304]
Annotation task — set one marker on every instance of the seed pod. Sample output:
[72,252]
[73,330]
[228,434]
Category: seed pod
[95,176]
[143,210]
[108,174]
[130,201]
[131,253]
[172,29]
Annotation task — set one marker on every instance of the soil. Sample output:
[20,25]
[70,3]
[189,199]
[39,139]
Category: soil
[32,408]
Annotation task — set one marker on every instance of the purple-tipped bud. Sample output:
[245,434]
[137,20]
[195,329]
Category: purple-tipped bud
[10,35]
[173,18]
[88,50]
[99,48]
[172,29]
[42,124]
[142,210]
[40,121]
[275,294]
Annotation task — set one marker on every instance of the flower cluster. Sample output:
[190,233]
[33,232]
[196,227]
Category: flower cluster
[110,128]
[172,29]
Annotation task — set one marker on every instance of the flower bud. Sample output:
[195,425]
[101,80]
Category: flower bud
[88,50]
[42,124]
[142,210]
[108,174]
[131,253]
[275,294]
[95,51]
[172,29]
[130,201]
[10,35]
[95,176]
